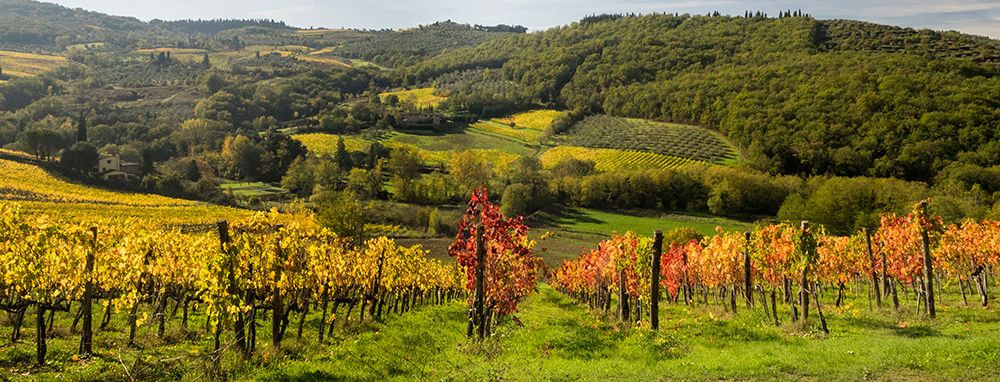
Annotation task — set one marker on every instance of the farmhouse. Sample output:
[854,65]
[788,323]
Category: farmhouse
[111,167]
[420,119]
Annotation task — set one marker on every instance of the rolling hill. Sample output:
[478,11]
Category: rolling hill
[38,191]
[799,95]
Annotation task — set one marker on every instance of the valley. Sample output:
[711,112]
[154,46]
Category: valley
[627,196]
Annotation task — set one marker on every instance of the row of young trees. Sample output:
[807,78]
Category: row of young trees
[913,252]
[277,263]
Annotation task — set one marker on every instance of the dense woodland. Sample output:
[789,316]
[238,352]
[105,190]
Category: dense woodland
[408,47]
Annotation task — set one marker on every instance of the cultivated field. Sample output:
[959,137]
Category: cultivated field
[19,64]
[421,98]
[40,192]
[520,134]
[683,141]
[614,159]
[251,189]
[336,61]
[534,120]
[326,144]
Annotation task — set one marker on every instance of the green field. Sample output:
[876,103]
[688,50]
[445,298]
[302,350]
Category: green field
[554,338]
[459,139]
[683,141]
[599,222]
[252,189]
[561,340]
[572,230]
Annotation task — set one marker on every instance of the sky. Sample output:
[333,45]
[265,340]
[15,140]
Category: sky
[980,17]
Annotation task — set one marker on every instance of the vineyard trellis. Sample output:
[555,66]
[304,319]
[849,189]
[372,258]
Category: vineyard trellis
[792,265]
[284,266]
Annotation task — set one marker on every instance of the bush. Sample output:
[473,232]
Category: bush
[845,205]
[518,200]
[82,156]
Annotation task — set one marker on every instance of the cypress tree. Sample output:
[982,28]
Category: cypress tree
[147,162]
[342,157]
[81,128]
[192,173]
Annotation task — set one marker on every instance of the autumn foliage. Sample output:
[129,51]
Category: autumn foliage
[512,271]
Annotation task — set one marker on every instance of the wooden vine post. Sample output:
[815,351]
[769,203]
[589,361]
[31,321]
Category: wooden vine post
[376,286]
[233,288]
[40,347]
[654,301]
[875,278]
[87,339]
[623,311]
[804,285]
[479,315]
[277,303]
[928,260]
[747,277]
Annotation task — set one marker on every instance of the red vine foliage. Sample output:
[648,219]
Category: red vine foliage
[512,271]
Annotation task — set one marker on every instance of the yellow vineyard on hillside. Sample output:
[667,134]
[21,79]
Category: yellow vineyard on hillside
[517,133]
[283,50]
[40,192]
[320,57]
[18,64]
[324,60]
[421,98]
[614,160]
[326,144]
[19,181]
[534,120]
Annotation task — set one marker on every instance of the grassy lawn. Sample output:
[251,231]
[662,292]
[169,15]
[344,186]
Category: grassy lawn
[251,189]
[564,341]
[573,230]
[553,338]
[460,139]
[599,222]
